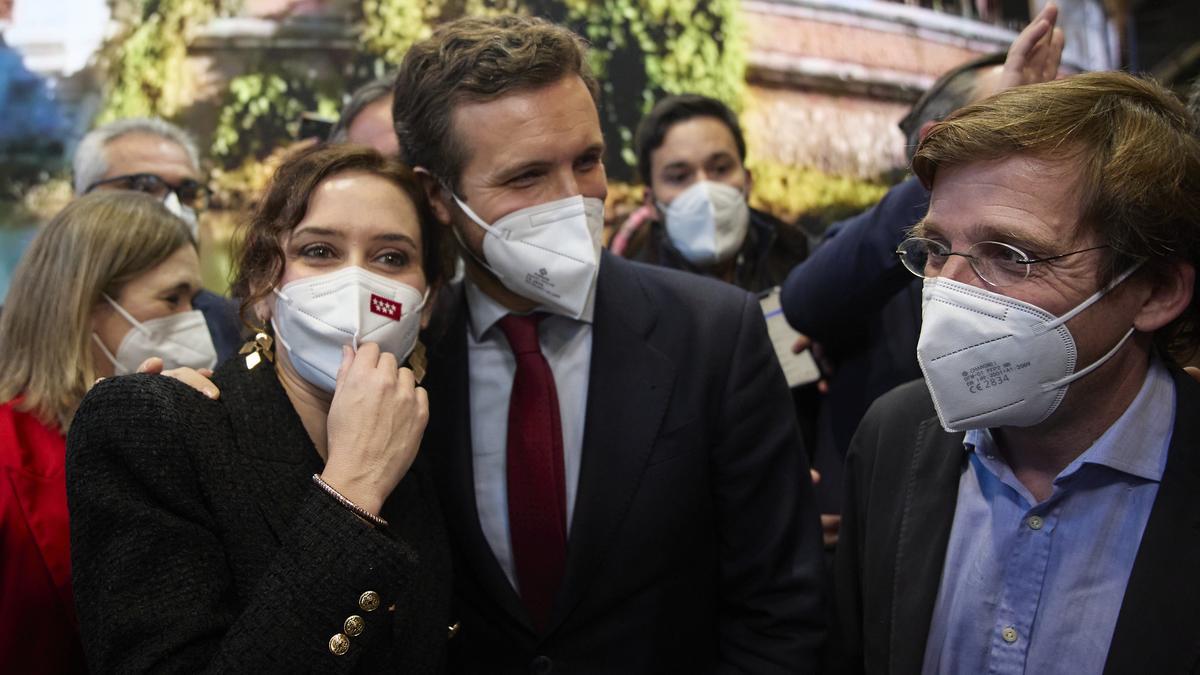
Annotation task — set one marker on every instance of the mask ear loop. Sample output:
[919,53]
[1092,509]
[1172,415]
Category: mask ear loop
[126,315]
[462,244]
[1091,300]
[109,355]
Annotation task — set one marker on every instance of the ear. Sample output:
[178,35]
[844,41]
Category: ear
[648,200]
[924,130]
[262,311]
[439,196]
[1169,295]
[427,310]
[749,181]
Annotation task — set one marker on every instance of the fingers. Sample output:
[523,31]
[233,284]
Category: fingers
[1194,372]
[1057,42]
[816,476]
[151,366]
[344,367]
[194,380]
[802,342]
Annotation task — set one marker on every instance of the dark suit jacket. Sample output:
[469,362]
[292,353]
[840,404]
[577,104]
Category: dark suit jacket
[221,317]
[694,541]
[199,542]
[854,297]
[902,477]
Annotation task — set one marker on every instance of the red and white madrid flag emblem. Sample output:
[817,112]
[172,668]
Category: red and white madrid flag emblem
[384,307]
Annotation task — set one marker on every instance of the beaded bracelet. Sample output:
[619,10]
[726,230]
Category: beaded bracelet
[351,506]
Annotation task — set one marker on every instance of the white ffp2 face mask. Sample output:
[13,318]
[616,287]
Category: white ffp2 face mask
[181,340]
[316,316]
[993,361]
[707,222]
[547,253]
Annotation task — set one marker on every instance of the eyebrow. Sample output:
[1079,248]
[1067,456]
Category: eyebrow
[507,173]
[985,232]
[330,232]
[181,287]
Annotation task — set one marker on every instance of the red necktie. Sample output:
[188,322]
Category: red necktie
[536,486]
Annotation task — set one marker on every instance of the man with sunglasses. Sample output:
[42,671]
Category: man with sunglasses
[156,157]
[1031,505]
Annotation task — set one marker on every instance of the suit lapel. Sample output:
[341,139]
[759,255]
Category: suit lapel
[930,497]
[286,463]
[1158,628]
[629,386]
[448,444]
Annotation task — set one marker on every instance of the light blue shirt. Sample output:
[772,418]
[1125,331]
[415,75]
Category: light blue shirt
[491,366]
[1036,588]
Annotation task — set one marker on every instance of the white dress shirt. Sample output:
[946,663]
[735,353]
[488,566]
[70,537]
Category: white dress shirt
[567,345]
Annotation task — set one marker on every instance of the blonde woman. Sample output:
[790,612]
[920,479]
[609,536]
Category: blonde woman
[106,284]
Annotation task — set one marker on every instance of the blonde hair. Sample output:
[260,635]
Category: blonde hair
[1138,158]
[95,245]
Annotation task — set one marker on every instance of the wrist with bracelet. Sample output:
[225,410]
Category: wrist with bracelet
[350,506]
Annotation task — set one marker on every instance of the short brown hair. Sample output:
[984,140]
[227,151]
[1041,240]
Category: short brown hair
[95,245]
[260,265]
[1139,160]
[475,60]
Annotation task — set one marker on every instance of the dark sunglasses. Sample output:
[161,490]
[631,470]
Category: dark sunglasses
[189,192]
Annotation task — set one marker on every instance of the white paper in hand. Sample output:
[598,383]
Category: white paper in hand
[799,369]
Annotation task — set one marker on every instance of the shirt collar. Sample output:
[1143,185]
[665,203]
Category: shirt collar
[1123,446]
[484,311]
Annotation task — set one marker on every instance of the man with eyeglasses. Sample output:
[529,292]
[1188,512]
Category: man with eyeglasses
[1033,504]
[156,157]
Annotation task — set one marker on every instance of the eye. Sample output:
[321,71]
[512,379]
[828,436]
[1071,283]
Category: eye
[525,179]
[720,168]
[588,162]
[677,177]
[317,251]
[394,259]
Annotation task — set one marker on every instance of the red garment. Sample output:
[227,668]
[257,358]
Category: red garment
[39,632]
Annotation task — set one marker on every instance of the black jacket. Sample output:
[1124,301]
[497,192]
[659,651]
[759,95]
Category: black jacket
[199,542]
[694,545]
[902,477]
[771,249]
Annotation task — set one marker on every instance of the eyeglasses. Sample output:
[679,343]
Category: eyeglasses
[995,262]
[189,192]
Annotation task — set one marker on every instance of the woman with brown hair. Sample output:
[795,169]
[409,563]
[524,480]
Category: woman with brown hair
[289,526]
[107,283]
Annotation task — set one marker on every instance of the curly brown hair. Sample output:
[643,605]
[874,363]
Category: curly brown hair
[260,264]
[475,60]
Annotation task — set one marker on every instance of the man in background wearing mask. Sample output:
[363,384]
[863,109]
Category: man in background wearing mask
[156,157]
[1032,504]
[625,487]
[691,156]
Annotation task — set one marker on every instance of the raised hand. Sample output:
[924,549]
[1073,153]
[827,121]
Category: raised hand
[375,424]
[1036,53]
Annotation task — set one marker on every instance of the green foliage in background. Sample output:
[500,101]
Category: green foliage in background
[261,110]
[643,49]
[800,193]
[145,61]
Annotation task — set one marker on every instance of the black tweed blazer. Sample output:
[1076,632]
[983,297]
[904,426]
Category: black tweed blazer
[199,543]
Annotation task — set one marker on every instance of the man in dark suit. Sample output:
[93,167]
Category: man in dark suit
[622,475]
[1032,506]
